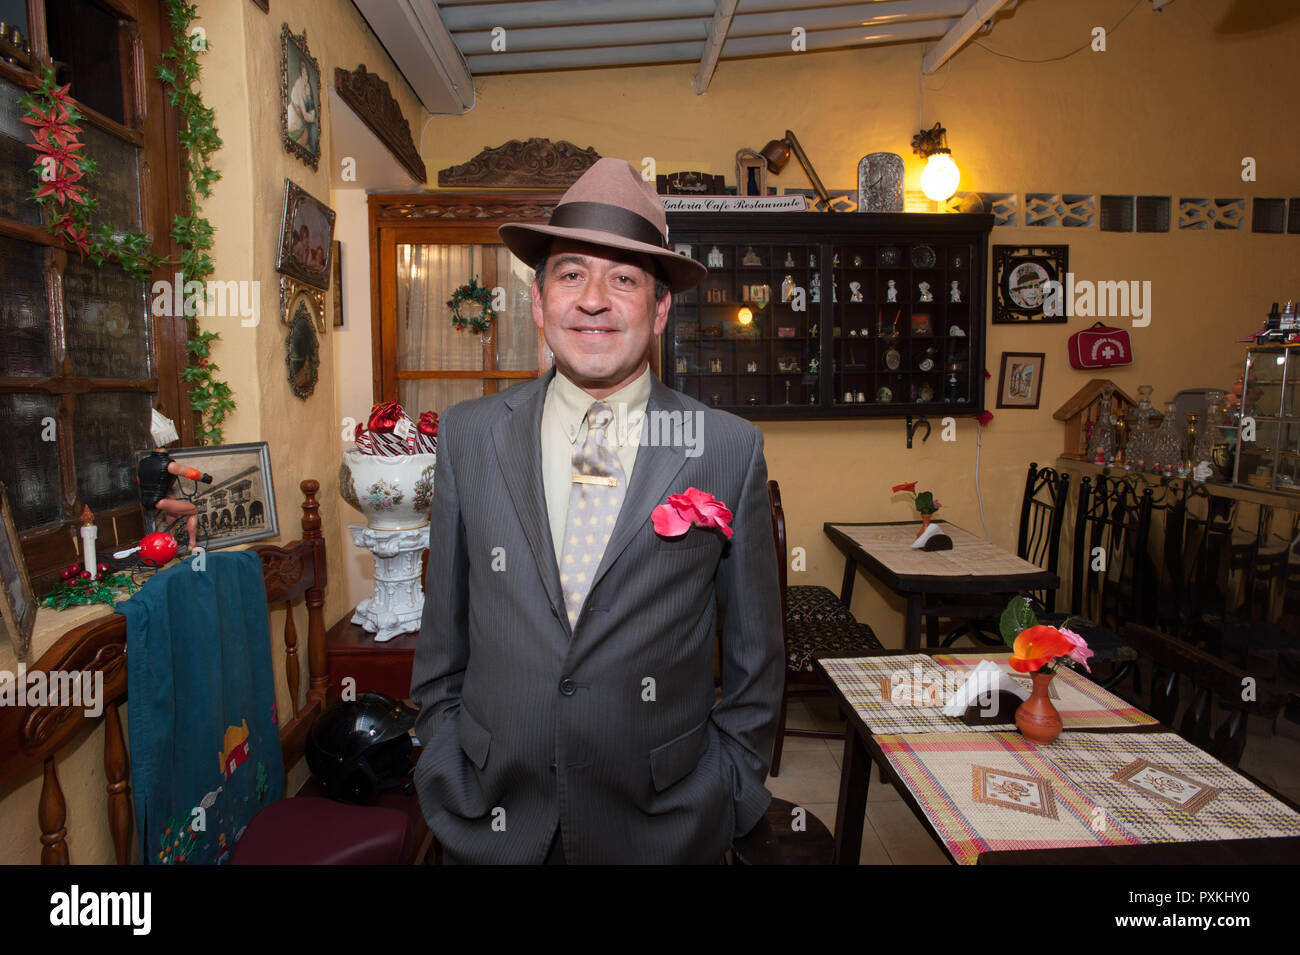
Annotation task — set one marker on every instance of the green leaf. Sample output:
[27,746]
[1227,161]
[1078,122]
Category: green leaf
[1016,617]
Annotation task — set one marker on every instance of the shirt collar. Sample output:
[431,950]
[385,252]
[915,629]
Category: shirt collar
[572,402]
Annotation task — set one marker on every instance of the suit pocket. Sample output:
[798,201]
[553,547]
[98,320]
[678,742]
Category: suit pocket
[475,740]
[697,538]
[677,758]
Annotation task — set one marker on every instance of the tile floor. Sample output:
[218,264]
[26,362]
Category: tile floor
[810,778]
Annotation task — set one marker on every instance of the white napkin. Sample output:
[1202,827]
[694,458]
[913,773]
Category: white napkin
[984,681]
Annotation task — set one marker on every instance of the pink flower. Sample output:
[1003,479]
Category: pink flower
[1079,651]
[695,507]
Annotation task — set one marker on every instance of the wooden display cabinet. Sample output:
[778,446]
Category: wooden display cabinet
[814,314]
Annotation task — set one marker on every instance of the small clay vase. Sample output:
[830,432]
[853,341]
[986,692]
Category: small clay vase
[925,524]
[1036,717]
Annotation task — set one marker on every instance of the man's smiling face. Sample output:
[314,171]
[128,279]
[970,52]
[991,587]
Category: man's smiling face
[598,311]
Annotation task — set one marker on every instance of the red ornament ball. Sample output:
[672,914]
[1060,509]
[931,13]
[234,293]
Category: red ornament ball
[84,575]
[158,548]
[67,574]
[101,568]
[74,569]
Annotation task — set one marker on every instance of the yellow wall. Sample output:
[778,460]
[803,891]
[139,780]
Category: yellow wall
[240,81]
[1170,108]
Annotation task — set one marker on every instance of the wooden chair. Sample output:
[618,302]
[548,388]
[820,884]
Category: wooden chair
[806,639]
[33,735]
[1215,685]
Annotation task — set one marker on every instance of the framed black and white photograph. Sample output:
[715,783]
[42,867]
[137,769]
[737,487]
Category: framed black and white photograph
[1020,277]
[1020,382]
[238,507]
[300,99]
[17,601]
[306,237]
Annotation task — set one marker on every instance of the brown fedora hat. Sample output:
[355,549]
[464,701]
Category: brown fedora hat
[611,205]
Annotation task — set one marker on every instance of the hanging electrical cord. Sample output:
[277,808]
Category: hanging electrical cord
[979,496]
[1063,56]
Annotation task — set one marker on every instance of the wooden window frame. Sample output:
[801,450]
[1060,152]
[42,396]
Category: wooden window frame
[152,125]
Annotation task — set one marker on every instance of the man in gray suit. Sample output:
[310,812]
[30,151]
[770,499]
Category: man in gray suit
[564,669]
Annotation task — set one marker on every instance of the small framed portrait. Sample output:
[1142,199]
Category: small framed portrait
[306,237]
[238,507]
[1020,382]
[337,284]
[301,344]
[300,99]
[17,601]
[1020,277]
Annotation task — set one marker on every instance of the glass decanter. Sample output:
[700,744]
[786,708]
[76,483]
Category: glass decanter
[1168,442]
[1102,438]
[1209,432]
[1141,433]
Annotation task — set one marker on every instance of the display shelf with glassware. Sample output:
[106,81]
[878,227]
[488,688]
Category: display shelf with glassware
[807,315]
[1268,428]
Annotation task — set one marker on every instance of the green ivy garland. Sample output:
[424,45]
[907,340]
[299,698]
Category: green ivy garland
[103,590]
[60,169]
[179,70]
[479,295]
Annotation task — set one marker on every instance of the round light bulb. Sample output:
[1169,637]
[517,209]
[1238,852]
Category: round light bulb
[744,316]
[940,176]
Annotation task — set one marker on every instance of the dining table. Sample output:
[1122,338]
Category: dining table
[1116,787]
[973,578]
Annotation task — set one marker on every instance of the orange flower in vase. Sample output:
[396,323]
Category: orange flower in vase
[1037,650]
[924,503]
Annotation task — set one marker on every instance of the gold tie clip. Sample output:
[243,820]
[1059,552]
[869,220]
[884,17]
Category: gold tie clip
[595,479]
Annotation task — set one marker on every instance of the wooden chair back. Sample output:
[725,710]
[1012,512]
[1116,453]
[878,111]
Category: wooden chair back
[778,535]
[1110,515]
[32,735]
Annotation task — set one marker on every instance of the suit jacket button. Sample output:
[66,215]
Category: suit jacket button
[568,687]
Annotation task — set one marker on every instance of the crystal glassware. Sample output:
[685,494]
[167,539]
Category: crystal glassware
[1141,434]
[1102,439]
[1167,443]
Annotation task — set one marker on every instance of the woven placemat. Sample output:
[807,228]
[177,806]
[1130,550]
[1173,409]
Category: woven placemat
[900,694]
[997,791]
[971,556]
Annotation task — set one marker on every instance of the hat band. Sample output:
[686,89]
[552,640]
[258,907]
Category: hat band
[603,217]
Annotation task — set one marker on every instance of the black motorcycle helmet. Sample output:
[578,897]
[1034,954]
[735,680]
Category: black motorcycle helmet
[357,749]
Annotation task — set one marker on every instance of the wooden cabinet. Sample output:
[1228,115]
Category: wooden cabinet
[812,315]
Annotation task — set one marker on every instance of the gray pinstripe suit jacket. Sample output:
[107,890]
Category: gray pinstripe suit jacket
[527,723]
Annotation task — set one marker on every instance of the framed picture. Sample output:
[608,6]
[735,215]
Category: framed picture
[306,237]
[300,102]
[263,5]
[238,507]
[301,345]
[1020,277]
[17,601]
[1020,382]
[337,284]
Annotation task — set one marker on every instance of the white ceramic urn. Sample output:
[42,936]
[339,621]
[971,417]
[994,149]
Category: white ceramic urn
[394,492]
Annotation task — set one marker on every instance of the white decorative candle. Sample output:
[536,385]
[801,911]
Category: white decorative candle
[88,534]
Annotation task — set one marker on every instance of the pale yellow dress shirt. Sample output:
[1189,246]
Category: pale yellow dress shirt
[564,429]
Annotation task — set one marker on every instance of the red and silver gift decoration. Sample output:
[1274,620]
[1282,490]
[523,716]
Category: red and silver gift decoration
[390,432]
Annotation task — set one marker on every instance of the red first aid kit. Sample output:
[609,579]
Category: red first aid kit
[1100,347]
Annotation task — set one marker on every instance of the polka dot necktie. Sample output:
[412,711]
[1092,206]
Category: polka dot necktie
[594,502]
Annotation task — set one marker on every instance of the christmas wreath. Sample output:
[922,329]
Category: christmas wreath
[479,295]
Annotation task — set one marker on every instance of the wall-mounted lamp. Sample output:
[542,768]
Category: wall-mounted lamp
[777,155]
[745,316]
[940,177]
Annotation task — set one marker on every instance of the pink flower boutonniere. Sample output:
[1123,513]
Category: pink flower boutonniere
[695,507]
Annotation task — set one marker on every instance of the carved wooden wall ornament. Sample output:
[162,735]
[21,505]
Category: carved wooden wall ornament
[535,163]
[373,102]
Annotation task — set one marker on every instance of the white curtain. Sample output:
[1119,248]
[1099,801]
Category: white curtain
[427,341]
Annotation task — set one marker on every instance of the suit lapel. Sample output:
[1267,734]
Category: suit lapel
[653,473]
[519,451]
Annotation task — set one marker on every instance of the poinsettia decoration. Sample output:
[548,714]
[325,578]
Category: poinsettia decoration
[62,171]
